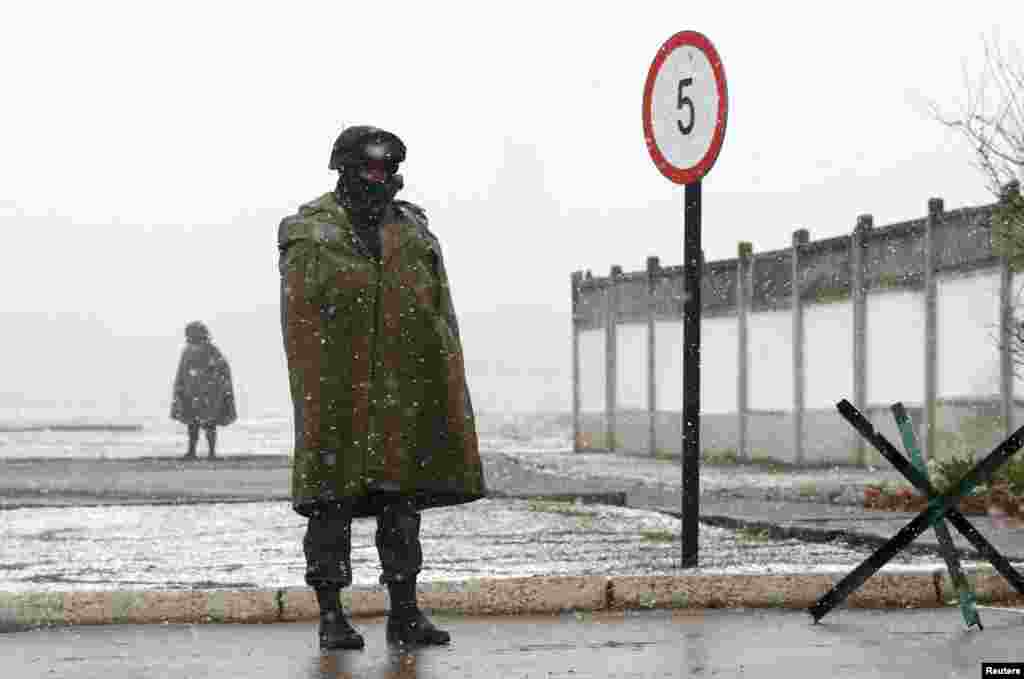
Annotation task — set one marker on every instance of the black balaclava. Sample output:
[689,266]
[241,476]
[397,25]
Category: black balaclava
[366,197]
[365,201]
[367,160]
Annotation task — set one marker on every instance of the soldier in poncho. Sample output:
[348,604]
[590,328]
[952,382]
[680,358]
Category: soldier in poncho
[384,425]
[203,397]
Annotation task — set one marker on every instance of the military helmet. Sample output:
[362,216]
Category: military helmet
[362,144]
[196,331]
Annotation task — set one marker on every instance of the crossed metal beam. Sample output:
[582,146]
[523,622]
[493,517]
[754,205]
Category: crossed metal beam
[940,507]
[966,596]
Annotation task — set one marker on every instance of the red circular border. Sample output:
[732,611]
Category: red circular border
[690,174]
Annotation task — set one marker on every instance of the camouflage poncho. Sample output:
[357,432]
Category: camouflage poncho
[203,393]
[375,363]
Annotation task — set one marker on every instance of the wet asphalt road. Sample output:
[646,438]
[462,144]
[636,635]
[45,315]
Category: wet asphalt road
[714,643]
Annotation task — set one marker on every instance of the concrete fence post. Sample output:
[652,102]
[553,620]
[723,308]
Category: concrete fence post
[1006,326]
[800,237]
[575,280]
[611,355]
[928,412]
[653,275]
[1005,345]
[743,294]
[858,294]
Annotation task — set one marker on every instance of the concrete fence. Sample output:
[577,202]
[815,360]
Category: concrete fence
[909,312]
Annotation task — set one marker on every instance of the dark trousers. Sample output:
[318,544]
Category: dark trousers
[193,437]
[328,544]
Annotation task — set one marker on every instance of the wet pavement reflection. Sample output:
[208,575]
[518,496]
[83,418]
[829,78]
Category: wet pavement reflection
[398,663]
[719,643]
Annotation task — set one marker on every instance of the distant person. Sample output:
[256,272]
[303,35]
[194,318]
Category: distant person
[383,421]
[203,395]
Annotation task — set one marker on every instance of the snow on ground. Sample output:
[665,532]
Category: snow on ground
[836,485]
[260,545]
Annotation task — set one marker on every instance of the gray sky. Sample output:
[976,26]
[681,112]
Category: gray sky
[149,150]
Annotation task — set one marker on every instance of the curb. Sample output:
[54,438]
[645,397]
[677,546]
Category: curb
[512,596]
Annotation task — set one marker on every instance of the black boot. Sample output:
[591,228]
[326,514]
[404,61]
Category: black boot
[335,629]
[406,623]
[337,632]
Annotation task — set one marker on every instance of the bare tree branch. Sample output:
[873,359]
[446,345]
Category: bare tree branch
[992,118]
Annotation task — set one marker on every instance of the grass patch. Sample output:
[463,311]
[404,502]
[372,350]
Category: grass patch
[124,603]
[559,507]
[1013,473]
[720,456]
[36,608]
[749,534]
[828,295]
[888,280]
[808,489]
[657,536]
[663,455]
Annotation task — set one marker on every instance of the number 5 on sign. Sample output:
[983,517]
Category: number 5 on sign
[685,101]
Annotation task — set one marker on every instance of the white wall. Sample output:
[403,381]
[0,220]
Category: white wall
[770,338]
[631,366]
[1017,302]
[828,354]
[967,315]
[895,347]
[967,361]
[719,346]
[668,357]
[592,365]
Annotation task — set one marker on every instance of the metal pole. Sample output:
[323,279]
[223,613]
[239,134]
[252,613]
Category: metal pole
[693,263]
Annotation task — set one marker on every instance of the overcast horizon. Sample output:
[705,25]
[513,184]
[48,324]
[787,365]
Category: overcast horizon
[150,153]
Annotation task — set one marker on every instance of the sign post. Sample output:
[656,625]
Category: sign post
[684,112]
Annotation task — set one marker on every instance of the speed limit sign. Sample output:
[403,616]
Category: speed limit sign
[685,107]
